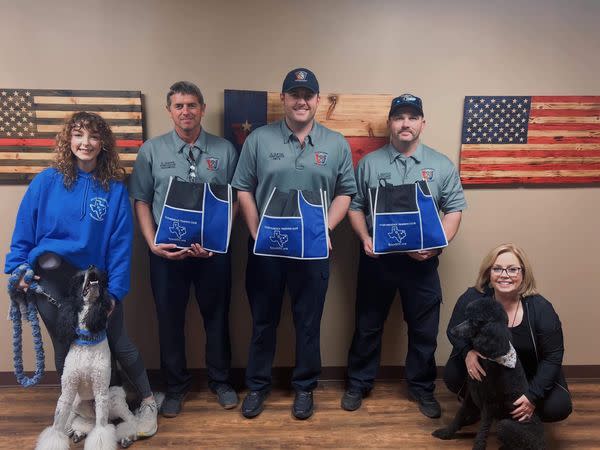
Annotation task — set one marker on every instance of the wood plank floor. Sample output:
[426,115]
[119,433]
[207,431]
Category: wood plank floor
[386,420]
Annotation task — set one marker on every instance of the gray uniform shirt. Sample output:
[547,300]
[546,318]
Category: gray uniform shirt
[168,155]
[273,157]
[387,164]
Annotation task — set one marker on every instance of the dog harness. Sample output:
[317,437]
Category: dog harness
[196,213]
[405,218]
[294,225]
[23,305]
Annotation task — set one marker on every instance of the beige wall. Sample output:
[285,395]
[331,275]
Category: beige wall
[440,50]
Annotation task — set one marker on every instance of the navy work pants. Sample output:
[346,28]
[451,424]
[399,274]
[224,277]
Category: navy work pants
[171,282]
[419,286]
[307,280]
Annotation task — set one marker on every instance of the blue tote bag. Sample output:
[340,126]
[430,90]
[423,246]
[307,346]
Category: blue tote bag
[294,225]
[196,213]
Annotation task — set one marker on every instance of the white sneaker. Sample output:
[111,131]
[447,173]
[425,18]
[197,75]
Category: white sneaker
[146,417]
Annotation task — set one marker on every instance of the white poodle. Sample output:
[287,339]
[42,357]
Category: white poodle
[87,366]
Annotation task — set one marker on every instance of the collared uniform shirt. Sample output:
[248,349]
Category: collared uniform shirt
[386,164]
[272,157]
[167,155]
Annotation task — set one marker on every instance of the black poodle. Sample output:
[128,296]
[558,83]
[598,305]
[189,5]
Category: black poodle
[487,329]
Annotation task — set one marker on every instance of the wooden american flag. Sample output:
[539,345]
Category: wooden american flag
[530,140]
[31,118]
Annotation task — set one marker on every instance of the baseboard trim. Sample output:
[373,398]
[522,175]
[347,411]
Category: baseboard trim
[282,375]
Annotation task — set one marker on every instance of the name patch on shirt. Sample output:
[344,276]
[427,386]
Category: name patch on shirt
[427,174]
[98,208]
[276,156]
[320,158]
[212,164]
[167,165]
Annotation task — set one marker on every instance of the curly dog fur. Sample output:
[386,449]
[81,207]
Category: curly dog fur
[487,329]
[83,319]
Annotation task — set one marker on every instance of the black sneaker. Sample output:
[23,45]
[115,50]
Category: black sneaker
[226,396]
[303,405]
[172,404]
[253,404]
[428,405]
[351,400]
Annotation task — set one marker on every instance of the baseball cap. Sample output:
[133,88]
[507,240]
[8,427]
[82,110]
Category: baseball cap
[298,78]
[406,100]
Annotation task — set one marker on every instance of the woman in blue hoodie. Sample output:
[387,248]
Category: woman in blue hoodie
[78,211]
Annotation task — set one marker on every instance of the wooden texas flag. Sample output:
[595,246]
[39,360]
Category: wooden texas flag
[361,118]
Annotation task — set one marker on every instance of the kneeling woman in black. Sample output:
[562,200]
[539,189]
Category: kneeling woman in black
[505,274]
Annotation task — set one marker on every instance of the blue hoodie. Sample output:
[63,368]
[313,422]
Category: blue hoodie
[85,225]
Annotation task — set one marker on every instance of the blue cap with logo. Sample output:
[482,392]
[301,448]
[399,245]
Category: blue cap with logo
[300,78]
[406,100]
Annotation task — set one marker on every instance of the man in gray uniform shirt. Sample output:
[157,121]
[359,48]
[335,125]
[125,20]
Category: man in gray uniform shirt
[414,274]
[190,153]
[293,153]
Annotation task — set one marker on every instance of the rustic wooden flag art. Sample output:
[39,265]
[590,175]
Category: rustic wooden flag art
[31,118]
[361,118]
[530,140]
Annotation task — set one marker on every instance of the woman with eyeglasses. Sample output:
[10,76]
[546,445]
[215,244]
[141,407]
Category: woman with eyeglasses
[506,275]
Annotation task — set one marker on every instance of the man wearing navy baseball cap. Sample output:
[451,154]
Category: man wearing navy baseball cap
[292,154]
[411,271]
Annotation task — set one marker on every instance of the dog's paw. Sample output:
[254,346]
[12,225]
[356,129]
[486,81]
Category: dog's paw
[443,433]
[125,442]
[78,436]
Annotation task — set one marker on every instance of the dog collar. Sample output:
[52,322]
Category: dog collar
[84,337]
[509,360]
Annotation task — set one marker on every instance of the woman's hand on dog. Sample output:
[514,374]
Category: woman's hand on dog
[523,409]
[23,285]
[474,369]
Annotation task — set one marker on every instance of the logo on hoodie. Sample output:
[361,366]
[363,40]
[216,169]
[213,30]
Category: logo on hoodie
[98,208]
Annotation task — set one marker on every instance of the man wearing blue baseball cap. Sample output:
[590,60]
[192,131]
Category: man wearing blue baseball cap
[295,154]
[405,164]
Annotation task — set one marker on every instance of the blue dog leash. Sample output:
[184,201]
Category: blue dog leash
[23,305]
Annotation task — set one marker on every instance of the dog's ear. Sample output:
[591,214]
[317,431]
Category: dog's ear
[69,309]
[463,330]
[76,287]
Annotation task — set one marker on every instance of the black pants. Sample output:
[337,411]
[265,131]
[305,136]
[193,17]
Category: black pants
[555,406]
[419,285]
[121,347]
[266,278]
[171,282]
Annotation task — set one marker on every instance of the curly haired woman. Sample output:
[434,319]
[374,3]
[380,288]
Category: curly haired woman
[78,211]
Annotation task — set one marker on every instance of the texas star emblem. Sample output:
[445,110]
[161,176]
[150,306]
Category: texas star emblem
[397,234]
[98,208]
[177,230]
[320,158]
[212,163]
[278,238]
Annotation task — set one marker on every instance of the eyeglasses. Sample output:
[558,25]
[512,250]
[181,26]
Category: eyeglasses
[511,271]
